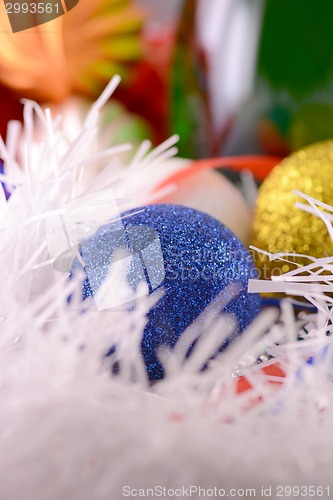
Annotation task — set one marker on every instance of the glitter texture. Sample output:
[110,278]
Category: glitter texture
[281,227]
[188,253]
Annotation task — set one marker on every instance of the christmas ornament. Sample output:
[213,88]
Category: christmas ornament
[2,180]
[279,226]
[259,166]
[239,87]
[188,253]
[196,185]
[215,195]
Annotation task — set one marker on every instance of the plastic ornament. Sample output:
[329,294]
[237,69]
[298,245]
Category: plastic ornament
[259,166]
[215,195]
[279,226]
[184,182]
[189,254]
[197,185]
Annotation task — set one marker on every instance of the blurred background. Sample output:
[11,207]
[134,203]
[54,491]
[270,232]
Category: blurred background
[229,76]
[162,12]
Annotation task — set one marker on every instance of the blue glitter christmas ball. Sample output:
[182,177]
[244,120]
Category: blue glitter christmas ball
[188,253]
[7,194]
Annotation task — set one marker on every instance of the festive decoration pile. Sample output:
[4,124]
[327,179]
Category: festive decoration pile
[70,425]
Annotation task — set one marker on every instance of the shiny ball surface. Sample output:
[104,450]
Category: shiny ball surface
[189,254]
[281,227]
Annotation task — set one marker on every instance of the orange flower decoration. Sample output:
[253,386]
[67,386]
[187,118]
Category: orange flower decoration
[76,53]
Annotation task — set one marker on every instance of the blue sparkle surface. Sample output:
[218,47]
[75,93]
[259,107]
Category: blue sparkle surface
[188,253]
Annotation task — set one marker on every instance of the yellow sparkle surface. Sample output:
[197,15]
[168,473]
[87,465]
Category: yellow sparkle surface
[281,227]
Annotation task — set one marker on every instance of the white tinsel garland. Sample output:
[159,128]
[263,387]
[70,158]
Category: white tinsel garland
[72,429]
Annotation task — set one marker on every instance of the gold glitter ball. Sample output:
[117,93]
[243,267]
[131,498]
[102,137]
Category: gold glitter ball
[281,227]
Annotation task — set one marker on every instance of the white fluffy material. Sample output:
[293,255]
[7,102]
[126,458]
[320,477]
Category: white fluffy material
[69,427]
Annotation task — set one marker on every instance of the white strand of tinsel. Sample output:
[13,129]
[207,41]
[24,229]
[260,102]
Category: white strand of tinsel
[71,427]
